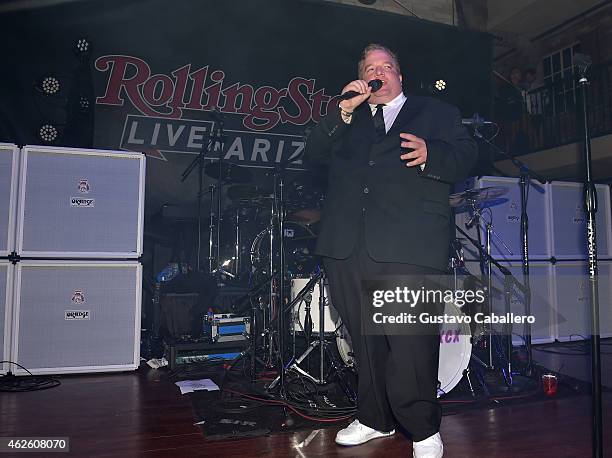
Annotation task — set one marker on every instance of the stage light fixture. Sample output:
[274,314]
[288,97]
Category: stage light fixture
[48,133]
[82,47]
[440,85]
[84,103]
[50,85]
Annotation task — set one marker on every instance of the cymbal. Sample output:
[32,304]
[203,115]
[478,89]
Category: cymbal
[247,191]
[230,173]
[264,202]
[306,216]
[477,195]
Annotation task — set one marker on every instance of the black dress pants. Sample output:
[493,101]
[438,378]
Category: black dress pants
[397,374]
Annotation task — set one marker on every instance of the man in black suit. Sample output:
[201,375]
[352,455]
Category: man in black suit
[393,160]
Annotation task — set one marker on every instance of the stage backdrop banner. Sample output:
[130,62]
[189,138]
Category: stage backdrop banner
[161,75]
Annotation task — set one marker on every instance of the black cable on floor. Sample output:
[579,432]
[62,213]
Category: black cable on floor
[12,384]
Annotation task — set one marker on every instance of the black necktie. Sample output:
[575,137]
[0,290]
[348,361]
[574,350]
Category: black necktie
[379,121]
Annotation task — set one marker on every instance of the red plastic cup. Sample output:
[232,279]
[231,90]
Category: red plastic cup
[549,385]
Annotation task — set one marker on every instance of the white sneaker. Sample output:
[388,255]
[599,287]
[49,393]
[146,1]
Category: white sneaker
[431,447]
[356,434]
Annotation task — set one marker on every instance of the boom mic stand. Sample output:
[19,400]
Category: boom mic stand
[526,174]
[590,203]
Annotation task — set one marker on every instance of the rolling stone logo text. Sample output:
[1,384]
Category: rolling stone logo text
[252,112]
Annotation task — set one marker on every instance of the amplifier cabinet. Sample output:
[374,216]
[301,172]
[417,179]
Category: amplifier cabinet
[9,165]
[6,300]
[78,203]
[77,316]
[572,289]
[569,239]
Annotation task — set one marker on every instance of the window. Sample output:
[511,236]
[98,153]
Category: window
[558,69]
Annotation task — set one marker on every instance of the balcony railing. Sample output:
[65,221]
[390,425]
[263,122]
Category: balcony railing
[552,115]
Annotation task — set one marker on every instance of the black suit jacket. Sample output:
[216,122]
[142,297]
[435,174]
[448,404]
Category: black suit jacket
[405,211]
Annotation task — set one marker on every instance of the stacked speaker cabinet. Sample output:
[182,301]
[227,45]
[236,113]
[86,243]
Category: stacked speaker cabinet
[6,285]
[76,203]
[568,219]
[9,166]
[557,239]
[77,284]
[542,299]
[76,316]
[572,290]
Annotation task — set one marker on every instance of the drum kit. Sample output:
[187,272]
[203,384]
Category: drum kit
[245,245]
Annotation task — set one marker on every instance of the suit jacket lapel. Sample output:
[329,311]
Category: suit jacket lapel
[364,123]
[410,109]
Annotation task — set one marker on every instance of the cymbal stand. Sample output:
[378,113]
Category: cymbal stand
[219,137]
[237,241]
[199,161]
[509,280]
[305,295]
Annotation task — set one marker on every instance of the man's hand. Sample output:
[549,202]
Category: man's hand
[364,90]
[419,154]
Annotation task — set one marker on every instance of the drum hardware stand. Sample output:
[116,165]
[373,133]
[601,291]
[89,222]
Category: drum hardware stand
[215,137]
[305,294]
[237,247]
[219,140]
[277,288]
[256,333]
[300,296]
[509,280]
[479,221]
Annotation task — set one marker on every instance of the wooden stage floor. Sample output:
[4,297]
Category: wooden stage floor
[142,414]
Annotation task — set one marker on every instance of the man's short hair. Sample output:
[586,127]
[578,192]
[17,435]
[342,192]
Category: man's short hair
[375,47]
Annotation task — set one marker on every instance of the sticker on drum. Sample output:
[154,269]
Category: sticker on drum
[331,318]
[455,351]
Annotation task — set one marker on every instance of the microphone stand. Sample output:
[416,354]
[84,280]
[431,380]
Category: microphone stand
[525,174]
[590,203]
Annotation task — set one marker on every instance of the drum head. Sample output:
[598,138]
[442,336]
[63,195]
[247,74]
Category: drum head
[300,242]
[455,351]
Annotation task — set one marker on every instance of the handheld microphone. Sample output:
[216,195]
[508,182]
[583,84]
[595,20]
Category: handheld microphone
[374,84]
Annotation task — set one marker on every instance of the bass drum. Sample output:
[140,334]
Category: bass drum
[300,243]
[455,350]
